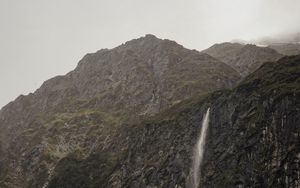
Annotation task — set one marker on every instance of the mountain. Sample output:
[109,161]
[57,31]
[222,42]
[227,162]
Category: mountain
[286,44]
[253,140]
[146,74]
[131,117]
[87,108]
[225,52]
[243,58]
[286,48]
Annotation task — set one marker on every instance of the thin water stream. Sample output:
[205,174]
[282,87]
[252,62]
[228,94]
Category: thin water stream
[199,151]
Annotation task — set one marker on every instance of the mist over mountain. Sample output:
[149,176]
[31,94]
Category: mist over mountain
[285,44]
[283,38]
[131,116]
[286,48]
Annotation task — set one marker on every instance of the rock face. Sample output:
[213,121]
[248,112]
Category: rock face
[244,58]
[85,109]
[253,140]
[148,74]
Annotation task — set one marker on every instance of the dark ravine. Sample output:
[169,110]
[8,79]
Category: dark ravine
[69,135]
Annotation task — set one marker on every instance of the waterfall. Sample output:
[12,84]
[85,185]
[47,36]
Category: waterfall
[199,151]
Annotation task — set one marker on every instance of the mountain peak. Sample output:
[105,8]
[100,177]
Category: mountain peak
[244,58]
[148,41]
[150,36]
[147,74]
[147,38]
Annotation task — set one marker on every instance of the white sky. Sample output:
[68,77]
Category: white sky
[43,38]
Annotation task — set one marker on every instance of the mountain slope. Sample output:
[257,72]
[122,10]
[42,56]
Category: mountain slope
[244,58]
[286,48]
[85,109]
[253,140]
[225,52]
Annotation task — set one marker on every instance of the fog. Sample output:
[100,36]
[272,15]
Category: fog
[42,38]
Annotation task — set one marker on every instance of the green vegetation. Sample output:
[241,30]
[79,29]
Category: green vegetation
[74,172]
[274,80]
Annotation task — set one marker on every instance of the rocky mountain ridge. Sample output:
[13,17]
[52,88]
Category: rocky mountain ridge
[88,105]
